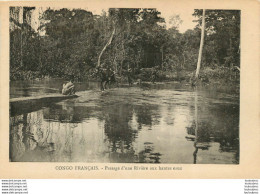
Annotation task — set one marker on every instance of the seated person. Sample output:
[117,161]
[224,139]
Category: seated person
[68,88]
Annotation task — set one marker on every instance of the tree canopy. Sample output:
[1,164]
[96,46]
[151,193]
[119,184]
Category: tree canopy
[74,39]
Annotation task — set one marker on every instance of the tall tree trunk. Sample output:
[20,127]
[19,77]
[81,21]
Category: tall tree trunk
[162,57]
[183,60]
[21,46]
[105,47]
[201,45]
[121,68]
[21,49]
[39,37]
[146,59]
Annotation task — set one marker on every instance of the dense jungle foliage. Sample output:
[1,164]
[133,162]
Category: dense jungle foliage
[73,39]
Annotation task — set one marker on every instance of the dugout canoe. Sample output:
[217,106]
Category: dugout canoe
[29,104]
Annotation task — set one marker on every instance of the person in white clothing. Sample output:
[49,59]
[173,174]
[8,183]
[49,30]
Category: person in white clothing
[68,88]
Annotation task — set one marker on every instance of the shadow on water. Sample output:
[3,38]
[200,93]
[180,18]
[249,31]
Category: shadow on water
[131,125]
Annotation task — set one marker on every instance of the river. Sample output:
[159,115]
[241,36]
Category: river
[154,123]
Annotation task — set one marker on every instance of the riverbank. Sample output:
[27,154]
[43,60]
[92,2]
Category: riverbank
[222,79]
[207,75]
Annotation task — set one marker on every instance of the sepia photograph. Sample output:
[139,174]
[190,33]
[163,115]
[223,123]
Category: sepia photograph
[124,85]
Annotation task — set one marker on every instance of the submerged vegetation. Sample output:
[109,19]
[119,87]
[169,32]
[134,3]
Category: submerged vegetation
[69,43]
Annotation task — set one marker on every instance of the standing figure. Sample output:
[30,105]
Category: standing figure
[107,76]
[102,73]
[112,78]
[154,74]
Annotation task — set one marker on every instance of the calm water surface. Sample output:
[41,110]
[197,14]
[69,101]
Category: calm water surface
[162,123]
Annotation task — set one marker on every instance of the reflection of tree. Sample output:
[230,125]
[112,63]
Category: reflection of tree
[28,138]
[220,126]
[147,115]
[24,144]
[200,136]
[16,146]
[144,116]
[68,145]
[202,129]
[119,132]
[67,112]
[33,140]
[148,155]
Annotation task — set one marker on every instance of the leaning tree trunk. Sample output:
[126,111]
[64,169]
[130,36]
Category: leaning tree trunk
[105,47]
[201,45]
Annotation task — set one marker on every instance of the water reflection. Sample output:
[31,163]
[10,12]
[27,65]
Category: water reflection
[119,132]
[206,136]
[67,113]
[130,125]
